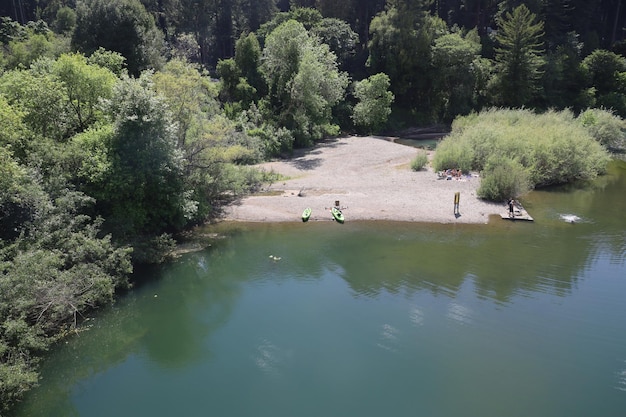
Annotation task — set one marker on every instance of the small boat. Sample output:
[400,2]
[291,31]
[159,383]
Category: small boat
[306,214]
[337,214]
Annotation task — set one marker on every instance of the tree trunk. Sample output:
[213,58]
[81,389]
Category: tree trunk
[619,4]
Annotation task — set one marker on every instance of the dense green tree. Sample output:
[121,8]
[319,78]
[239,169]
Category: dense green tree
[400,46]
[248,59]
[18,197]
[338,35]
[564,81]
[92,162]
[39,96]
[10,29]
[84,86]
[65,20]
[455,73]
[59,98]
[230,76]
[14,135]
[122,26]
[142,192]
[519,57]
[606,73]
[32,45]
[188,94]
[308,17]
[374,103]
[113,61]
[603,68]
[281,59]
[185,46]
[304,82]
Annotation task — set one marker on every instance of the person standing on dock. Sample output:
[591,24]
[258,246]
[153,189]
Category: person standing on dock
[511,207]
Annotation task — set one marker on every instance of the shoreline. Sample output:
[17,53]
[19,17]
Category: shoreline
[371,178]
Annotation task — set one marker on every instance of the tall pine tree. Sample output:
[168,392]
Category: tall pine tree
[519,57]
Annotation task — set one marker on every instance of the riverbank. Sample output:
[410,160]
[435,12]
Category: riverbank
[371,178]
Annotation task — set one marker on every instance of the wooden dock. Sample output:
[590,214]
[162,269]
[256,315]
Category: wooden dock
[521,217]
[518,214]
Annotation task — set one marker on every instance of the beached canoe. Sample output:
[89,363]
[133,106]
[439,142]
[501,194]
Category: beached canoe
[337,214]
[306,214]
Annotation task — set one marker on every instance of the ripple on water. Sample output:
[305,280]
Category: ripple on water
[621,379]
[388,338]
[459,313]
[269,358]
[416,316]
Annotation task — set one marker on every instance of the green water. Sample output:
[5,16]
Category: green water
[369,319]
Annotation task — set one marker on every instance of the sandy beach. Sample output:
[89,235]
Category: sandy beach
[371,178]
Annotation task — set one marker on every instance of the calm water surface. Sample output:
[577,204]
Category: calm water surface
[369,319]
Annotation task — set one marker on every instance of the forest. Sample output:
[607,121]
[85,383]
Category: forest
[124,123]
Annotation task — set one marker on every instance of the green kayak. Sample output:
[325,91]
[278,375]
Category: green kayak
[337,214]
[306,214]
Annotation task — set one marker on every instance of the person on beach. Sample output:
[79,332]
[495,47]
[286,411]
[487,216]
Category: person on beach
[511,207]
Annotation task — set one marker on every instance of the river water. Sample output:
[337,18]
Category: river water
[369,319]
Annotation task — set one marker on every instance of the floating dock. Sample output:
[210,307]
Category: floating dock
[518,214]
[522,217]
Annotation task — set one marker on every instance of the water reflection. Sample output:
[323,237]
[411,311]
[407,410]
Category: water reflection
[500,264]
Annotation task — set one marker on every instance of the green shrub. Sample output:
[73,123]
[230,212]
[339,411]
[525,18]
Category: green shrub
[420,161]
[503,178]
[274,141]
[549,148]
[454,152]
[605,127]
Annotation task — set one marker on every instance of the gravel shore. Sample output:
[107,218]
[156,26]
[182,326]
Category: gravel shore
[371,178]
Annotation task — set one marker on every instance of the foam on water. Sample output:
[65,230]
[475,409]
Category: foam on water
[571,218]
